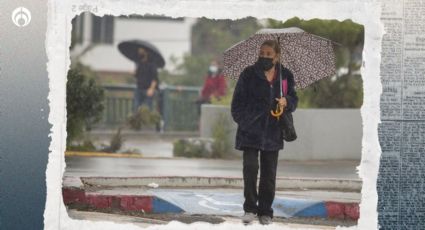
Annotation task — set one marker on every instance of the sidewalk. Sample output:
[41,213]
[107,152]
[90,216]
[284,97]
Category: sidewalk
[307,190]
[211,201]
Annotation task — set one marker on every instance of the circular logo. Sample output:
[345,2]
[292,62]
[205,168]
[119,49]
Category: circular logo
[21,16]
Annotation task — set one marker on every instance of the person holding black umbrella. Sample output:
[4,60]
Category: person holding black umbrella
[257,93]
[147,81]
[147,59]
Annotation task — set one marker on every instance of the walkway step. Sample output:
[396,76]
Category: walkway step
[282,183]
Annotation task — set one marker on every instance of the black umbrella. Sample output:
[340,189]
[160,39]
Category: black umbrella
[130,50]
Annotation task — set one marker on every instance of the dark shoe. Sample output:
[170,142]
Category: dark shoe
[265,220]
[248,217]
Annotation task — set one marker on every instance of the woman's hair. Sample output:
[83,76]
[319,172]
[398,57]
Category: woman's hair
[273,44]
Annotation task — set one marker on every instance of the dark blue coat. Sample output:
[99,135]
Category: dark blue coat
[253,99]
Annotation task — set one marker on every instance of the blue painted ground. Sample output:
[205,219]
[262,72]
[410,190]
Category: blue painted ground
[216,203]
[161,206]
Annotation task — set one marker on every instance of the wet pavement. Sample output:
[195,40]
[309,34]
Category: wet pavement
[152,167]
[148,148]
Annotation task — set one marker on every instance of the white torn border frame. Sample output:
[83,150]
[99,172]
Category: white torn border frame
[58,40]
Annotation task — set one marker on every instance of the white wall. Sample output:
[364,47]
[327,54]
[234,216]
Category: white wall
[323,134]
[172,38]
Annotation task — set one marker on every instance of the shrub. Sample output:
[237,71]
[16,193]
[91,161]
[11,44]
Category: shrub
[86,146]
[220,133]
[116,142]
[84,104]
[191,147]
[143,117]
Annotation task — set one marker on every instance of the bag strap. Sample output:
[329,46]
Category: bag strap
[285,86]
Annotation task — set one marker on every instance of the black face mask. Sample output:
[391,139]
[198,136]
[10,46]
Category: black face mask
[265,63]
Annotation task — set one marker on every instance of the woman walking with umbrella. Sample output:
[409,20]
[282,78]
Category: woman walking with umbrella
[257,92]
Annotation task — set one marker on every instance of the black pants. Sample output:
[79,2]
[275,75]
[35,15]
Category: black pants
[267,186]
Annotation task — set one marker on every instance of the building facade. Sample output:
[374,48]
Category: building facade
[95,40]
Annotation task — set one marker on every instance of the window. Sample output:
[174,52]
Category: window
[77,29]
[102,29]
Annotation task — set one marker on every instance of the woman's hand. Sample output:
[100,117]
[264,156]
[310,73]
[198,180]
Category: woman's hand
[282,102]
[280,107]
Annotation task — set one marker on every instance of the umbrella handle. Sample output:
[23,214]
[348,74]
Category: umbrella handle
[277,112]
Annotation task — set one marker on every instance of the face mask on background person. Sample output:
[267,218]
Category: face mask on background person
[213,69]
[265,63]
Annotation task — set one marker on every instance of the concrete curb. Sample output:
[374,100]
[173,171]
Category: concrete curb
[143,203]
[153,204]
[102,154]
[76,191]
[225,182]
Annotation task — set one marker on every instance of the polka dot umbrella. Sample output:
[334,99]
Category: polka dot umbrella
[308,56]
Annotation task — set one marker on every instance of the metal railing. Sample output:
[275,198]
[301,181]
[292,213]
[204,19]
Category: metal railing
[177,103]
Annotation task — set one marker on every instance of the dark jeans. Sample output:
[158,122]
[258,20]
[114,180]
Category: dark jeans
[267,186]
[141,97]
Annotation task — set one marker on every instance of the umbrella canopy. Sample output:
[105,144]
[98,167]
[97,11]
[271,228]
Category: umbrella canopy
[130,50]
[309,57]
